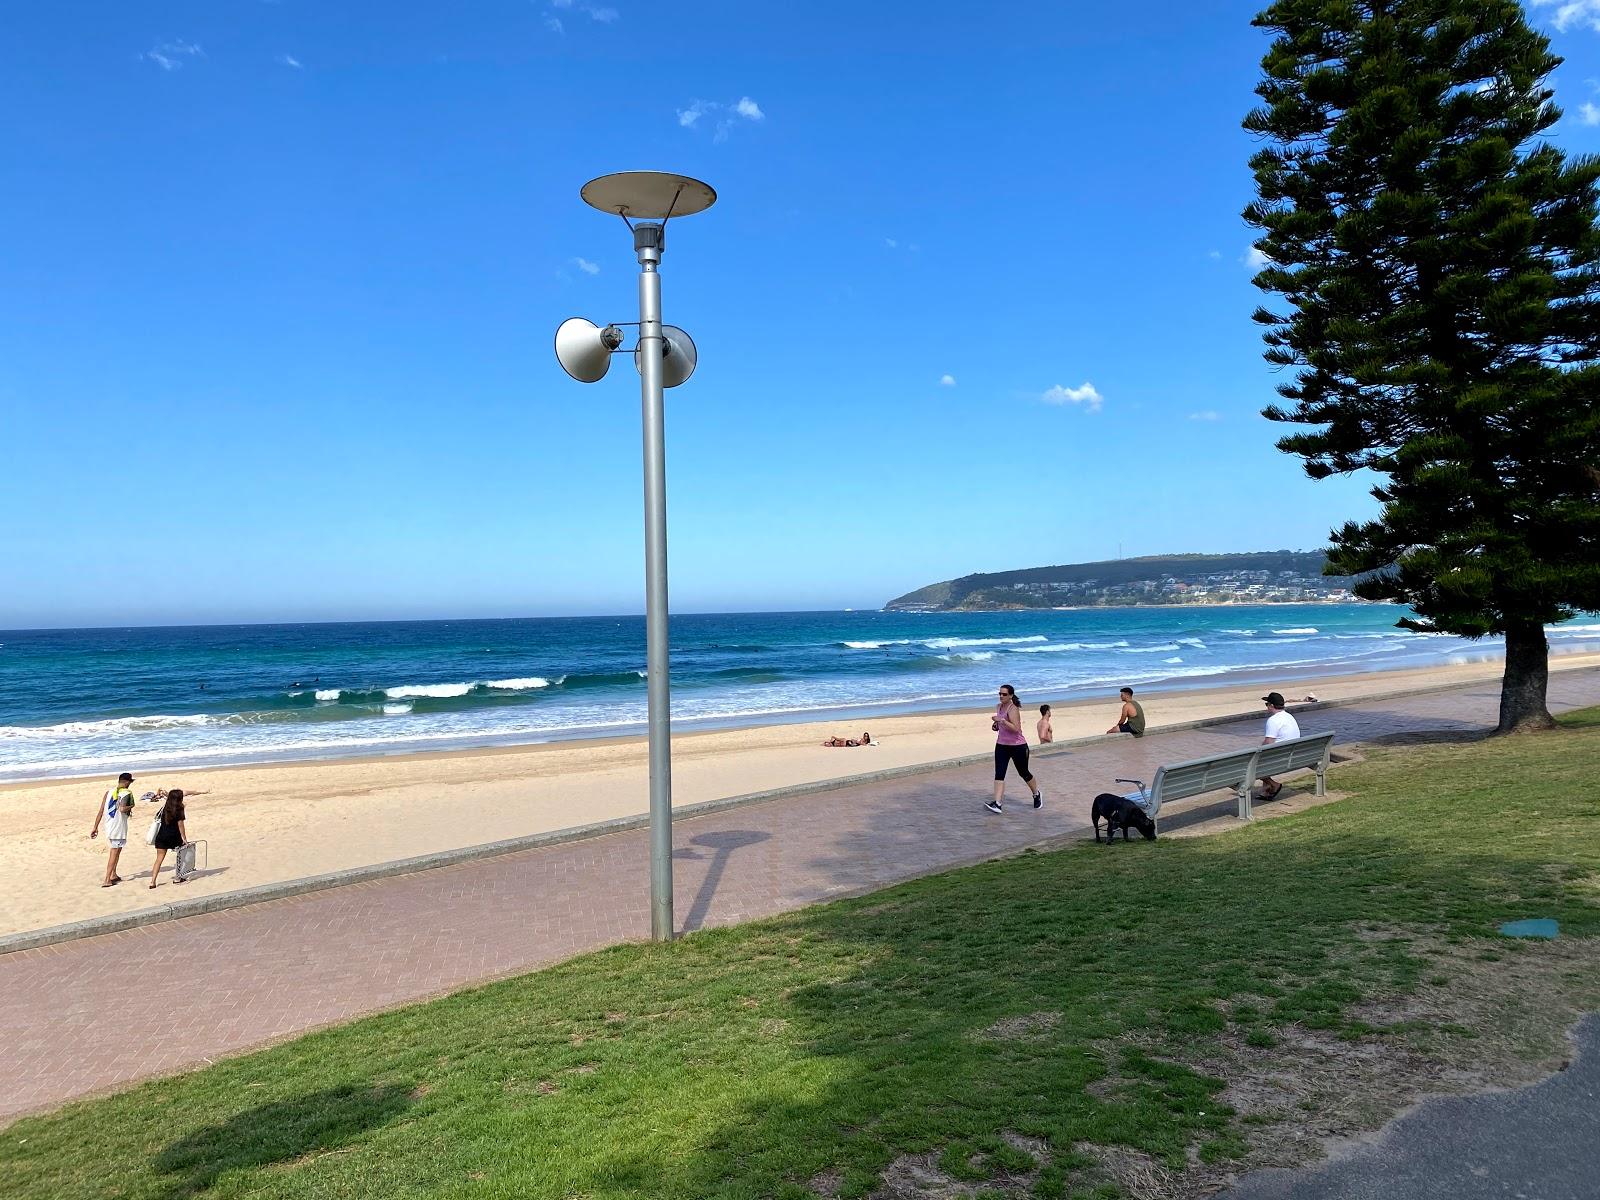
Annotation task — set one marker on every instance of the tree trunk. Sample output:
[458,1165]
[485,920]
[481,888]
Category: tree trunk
[1522,691]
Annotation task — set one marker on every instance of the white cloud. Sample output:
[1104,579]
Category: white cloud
[605,14]
[290,60]
[169,56]
[1214,255]
[727,115]
[587,267]
[1210,414]
[947,381]
[1588,113]
[1255,259]
[891,243]
[1572,12]
[1085,395]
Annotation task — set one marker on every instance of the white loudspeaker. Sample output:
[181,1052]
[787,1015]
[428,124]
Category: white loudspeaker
[678,356]
[584,349]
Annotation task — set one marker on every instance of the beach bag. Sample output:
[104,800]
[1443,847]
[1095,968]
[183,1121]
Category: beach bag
[154,831]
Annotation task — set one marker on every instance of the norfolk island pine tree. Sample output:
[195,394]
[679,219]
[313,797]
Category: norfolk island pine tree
[1438,272]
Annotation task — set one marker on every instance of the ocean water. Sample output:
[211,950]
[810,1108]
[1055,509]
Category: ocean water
[79,702]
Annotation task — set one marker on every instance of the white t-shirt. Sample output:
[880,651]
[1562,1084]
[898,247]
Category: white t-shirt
[116,821]
[1281,727]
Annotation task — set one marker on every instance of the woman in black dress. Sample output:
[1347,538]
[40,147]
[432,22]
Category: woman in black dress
[172,834]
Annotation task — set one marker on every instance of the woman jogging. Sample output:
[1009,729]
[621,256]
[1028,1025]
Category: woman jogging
[1010,746]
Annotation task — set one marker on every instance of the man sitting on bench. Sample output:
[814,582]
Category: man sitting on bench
[1281,727]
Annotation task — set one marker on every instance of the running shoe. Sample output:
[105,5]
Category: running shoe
[1038,799]
[993,806]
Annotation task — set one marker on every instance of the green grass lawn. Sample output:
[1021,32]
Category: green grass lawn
[996,1020]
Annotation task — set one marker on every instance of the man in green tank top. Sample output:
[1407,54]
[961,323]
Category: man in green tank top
[1130,719]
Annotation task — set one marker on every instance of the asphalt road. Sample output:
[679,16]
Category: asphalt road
[1538,1143]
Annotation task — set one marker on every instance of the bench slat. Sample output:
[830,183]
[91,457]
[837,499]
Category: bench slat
[1182,780]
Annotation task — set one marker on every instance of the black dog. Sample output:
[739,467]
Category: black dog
[1118,812]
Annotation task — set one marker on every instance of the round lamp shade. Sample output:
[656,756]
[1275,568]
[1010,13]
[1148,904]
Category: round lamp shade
[649,195]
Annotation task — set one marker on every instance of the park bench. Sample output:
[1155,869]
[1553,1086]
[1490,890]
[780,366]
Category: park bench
[1237,769]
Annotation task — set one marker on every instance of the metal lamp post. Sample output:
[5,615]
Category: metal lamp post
[665,357]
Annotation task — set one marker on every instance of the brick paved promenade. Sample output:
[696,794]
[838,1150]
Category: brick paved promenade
[252,975]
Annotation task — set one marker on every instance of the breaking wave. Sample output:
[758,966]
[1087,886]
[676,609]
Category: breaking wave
[953,643]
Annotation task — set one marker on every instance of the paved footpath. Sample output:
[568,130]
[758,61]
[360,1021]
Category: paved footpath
[1536,1143]
[269,971]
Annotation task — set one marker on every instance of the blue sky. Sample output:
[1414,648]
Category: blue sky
[279,281]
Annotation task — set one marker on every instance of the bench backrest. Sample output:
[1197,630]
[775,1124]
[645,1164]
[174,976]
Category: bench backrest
[1293,754]
[1200,775]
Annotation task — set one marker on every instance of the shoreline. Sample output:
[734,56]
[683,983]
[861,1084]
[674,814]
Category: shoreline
[281,821]
[879,711]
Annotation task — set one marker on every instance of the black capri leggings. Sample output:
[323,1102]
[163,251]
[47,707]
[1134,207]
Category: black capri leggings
[1011,754]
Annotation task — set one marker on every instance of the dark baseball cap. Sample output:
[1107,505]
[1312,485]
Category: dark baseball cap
[124,778]
[1274,698]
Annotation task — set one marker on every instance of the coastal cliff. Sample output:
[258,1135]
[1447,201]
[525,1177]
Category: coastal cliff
[1263,577]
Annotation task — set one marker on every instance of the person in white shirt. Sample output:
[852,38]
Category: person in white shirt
[114,808]
[1281,727]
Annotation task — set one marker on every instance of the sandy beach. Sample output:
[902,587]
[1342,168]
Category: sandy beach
[286,821]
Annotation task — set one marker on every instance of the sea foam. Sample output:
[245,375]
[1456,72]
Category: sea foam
[1058,647]
[952,643]
[437,691]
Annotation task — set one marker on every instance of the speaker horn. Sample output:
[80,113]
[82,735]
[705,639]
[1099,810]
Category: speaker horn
[584,349]
[678,356]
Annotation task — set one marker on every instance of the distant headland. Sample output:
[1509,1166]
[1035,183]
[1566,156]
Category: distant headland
[1265,577]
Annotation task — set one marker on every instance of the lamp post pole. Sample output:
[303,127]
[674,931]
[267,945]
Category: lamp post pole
[648,243]
[666,357]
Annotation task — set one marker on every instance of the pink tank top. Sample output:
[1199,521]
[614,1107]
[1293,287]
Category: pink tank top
[1008,736]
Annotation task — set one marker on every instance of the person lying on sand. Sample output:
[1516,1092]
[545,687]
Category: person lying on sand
[866,740]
